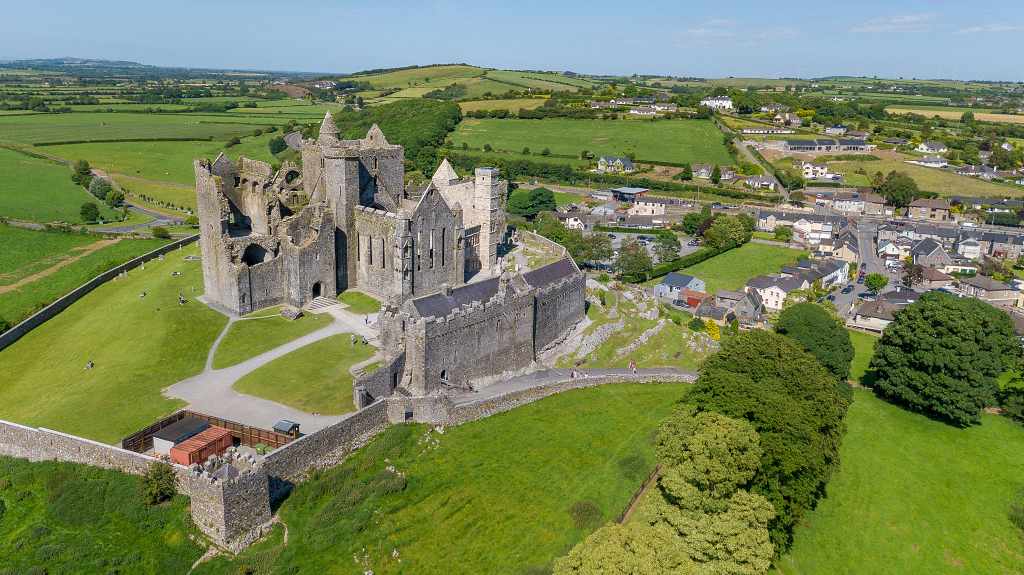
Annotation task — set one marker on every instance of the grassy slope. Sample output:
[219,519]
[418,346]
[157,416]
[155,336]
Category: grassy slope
[314,378]
[40,190]
[666,141]
[102,126]
[863,349]
[915,496]
[18,304]
[70,518]
[501,488]
[251,337]
[27,251]
[943,182]
[731,270]
[139,346]
[433,76]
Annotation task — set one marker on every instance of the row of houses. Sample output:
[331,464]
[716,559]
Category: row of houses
[825,145]
[653,109]
[852,201]
[808,229]
[946,246]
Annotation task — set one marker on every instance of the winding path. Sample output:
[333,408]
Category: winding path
[211,391]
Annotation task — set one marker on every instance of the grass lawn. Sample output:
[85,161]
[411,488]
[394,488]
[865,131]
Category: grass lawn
[21,302]
[67,518]
[263,331]
[89,126]
[943,182]
[359,302]
[953,113]
[863,349]
[915,495]
[664,141]
[28,251]
[42,191]
[731,270]
[314,378]
[514,104]
[139,346]
[501,487]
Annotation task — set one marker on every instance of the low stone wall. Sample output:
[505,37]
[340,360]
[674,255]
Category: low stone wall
[326,447]
[380,383]
[35,320]
[597,337]
[646,335]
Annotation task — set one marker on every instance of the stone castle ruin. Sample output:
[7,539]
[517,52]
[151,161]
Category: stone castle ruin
[431,254]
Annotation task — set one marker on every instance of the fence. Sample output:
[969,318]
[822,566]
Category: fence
[142,441]
[35,320]
[624,516]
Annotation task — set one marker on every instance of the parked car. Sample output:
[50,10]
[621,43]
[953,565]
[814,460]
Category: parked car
[860,280]
[831,297]
[866,296]
[847,289]
[863,265]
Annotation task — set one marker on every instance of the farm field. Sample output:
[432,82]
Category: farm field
[434,76]
[915,495]
[542,80]
[731,270]
[28,251]
[40,190]
[68,518]
[314,378]
[37,129]
[674,141]
[262,331]
[955,113]
[139,346]
[514,104]
[528,466]
[942,182]
[17,302]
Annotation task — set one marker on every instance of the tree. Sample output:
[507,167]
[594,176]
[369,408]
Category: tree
[942,354]
[784,233]
[797,198]
[687,173]
[633,263]
[797,408]
[158,484]
[821,334]
[526,151]
[967,117]
[100,187]
[487,148]
[726,232]
[626,550]
[277,145]
[90,212]
[712,328]
[913,274]
[542,200]
[899,189]
[81,173]
[876,282]
[693,220]
[716,174]
[160,232]
[115,198]
[1002,159]
[545,152]
[666,247]
[584,155]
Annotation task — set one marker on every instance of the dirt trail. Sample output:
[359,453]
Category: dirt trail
[81,253]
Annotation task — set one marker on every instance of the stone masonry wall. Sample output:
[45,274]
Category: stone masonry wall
[380,383]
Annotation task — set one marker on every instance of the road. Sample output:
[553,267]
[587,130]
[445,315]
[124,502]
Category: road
[745,151]
[159,219]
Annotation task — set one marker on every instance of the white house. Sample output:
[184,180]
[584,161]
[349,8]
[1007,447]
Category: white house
[837,130]
[645,206]
[931,162]
[646,111]
[814,171]
[932,147]
[717,103]
[774,289]
[760,182]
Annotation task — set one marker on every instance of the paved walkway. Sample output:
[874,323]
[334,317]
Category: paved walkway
[211,391]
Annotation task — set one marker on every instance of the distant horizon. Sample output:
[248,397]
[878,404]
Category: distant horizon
[739,38]
[4,60]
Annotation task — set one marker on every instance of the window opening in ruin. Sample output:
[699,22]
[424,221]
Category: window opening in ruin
[369,250]
[444,377]
[254,254]
[383,257]
[431,251]
[359,248]
[316,289]
[444,233]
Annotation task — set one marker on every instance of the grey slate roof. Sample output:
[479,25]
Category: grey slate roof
[675,279]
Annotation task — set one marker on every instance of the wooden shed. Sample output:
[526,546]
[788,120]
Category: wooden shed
[198,448]
[167,437]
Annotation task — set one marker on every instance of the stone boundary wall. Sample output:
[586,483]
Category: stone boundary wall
[379,383]
[326,447]
[230,513]
[35,320]
[596,338]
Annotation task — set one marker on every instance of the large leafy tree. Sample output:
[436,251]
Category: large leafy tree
[626,550]
[725,232]
[899,189]
[634,262]
[797,408]
[942,355]
[666,247]
[820,333]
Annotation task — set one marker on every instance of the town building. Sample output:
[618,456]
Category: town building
[615,165]
[932,147]
[718,103]
[673,284]
[929,209]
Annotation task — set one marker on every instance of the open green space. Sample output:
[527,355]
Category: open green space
[502,487]
[28,251]
[359,302]
[942,182]
[863,349]
[674,141]
[914,495]
[434,76]
[90,126]
[41,190]
[514,104]
[20,302]
[262,331]
[954,113]
[538,80]
[139,345]
[731,270]
[68,518]
[314,378]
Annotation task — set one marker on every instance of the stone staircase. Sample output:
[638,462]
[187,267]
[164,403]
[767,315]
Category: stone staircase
[322,305]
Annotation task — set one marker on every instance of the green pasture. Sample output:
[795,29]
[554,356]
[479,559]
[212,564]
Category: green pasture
[28,251]
[674,141]
[41,190]
[513,105]
[942,182]
[43,128]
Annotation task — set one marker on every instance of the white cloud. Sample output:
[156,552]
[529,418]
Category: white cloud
[991,29]
[716,28]
[900,23]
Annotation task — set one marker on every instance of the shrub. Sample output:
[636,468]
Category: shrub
[585,515]
[160,232]
[821,334]
[696,324]
[1011,400]
[942,355]
[233,142]
[90,212]
[277,145]
[157,484]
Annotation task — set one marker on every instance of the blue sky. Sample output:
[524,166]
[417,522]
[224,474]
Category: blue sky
[938,39]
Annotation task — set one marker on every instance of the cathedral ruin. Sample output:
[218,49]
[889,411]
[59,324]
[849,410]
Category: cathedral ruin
[431,253]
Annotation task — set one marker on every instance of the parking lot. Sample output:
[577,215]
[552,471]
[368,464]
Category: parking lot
[648,241]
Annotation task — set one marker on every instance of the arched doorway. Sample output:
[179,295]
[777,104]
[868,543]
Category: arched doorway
[316,290]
